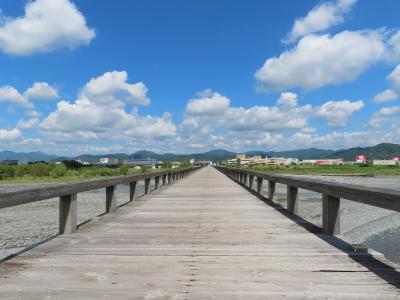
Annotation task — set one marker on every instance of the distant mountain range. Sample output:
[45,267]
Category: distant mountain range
[26,157]
[381,151]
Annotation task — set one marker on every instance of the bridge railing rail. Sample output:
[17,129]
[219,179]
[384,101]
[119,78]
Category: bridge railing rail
[331,192]
[68,191]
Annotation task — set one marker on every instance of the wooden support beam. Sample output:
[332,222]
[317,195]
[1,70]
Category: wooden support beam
[259,185]
[164,179]
[132,190]
[244,178]
[271,190]
[68,214]
[147,185]
[111,198]
[156,182]
[330,214]
[292,203]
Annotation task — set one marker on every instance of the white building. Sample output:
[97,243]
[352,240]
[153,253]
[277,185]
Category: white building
[109,161]
[384,162]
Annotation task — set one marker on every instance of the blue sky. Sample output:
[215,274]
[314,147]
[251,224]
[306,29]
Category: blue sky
[189,76]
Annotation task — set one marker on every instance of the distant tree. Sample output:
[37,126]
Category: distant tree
[72,164]
[166,165]
[7,172]
[58,171]
[144,169]
[124,169]
[185,164]
[40,170]
[22,170]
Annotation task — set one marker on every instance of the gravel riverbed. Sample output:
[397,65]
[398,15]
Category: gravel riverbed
[25,225]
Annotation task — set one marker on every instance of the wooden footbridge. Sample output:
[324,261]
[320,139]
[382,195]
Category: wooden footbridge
[202,237]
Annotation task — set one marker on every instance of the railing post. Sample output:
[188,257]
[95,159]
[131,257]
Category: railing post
[244,178]
[292,203]
[240,177]
[164,179]
[259,185]
[330,214]
[111,198]
[156,182]
[132,190]
[169,178]
[251,179]
[146,185]
[271,190]
[68,214]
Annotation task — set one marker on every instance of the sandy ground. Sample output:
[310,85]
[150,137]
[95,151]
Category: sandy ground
[25,225]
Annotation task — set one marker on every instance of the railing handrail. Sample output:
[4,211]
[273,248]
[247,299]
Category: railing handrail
[379,197]
[43,192]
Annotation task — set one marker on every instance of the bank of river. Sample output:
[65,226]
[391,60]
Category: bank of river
[25,225]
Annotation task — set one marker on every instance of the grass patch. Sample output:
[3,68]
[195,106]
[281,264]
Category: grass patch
[46,172]
[327,169]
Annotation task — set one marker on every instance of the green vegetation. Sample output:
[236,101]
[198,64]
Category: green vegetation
[58,172]
[185,164]
[166,165]
[328,169]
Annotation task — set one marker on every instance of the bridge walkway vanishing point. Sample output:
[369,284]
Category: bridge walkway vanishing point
[204,237]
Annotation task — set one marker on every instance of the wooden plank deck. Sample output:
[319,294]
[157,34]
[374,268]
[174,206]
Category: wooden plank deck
[204,237]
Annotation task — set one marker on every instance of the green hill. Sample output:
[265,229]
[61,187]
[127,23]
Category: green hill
[381,151]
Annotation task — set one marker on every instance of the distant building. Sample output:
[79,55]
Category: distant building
[242,160]
[202,163]
[384,162]
[109,161]
[9,162]
[232,162]
[240,156]
[361,158]
[85,163]
[148,162]
[323,162]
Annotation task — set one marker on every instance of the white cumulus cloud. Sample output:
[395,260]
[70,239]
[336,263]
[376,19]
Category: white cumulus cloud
[387,95]
[337,113]
[208,103]
[113,87]
[288,99]
[10,134]
[28,124]
[46,25]
[320,60]
[394,78]
[320,18]
[11,95]
[99,113]
[41,91]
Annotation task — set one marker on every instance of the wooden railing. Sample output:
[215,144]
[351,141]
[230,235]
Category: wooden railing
[68,191]
[331,193]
